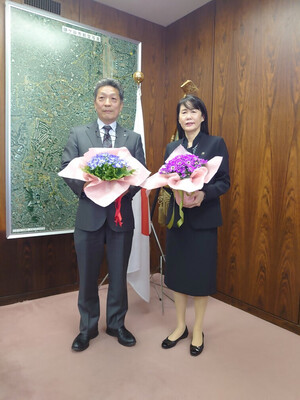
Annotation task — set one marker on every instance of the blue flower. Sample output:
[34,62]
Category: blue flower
[108,167]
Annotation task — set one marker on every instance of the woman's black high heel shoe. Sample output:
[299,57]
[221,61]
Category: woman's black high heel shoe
[196,350]
[168,344]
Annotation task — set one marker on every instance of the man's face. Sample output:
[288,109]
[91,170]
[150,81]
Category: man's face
[108,104]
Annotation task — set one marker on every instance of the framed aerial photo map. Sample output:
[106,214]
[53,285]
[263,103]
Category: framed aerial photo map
[52,66]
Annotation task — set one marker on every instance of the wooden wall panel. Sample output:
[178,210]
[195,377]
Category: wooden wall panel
[36,267]
[189,55]
[256,110]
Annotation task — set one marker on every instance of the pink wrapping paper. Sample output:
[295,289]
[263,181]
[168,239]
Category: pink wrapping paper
[102,192]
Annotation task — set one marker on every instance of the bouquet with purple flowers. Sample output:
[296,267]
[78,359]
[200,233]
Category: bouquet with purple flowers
[185,173]
[184,165]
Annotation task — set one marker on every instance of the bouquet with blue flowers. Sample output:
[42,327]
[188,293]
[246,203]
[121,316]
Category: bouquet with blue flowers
[109,173]
[108,167]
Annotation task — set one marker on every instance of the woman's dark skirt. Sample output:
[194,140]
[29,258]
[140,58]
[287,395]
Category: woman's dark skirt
[191,260]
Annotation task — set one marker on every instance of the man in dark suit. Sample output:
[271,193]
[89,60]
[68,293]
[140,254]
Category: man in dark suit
[95,225]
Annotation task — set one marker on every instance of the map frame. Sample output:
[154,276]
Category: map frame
[13,229]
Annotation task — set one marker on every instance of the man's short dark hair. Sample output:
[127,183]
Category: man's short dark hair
[109,82]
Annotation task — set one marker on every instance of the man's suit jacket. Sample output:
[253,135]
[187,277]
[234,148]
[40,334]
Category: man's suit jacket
[208,215]
[90,216]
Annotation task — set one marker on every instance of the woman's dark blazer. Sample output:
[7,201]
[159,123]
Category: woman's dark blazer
[208,215]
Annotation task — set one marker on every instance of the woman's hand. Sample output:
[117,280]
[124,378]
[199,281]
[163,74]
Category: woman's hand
[195,199]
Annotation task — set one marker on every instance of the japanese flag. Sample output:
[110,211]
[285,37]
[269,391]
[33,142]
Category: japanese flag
[138,274]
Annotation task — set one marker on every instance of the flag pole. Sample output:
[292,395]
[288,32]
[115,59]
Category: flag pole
[138,77]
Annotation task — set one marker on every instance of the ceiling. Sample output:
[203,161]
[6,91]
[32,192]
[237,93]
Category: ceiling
[161,12]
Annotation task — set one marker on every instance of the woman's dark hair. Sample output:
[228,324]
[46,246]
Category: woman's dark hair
[192,102]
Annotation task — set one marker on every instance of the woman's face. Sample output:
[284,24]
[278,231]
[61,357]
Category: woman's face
[190,119]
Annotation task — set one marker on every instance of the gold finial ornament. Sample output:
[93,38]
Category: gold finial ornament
[138,77]
[189,88]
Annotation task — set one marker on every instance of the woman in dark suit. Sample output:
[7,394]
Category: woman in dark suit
[191,249]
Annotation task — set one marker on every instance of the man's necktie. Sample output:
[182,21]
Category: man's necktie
[107,138]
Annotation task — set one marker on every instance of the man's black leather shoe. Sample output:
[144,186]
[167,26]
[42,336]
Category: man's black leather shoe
[125,337]
[81,342]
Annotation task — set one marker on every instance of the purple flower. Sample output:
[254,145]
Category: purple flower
[183,165]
